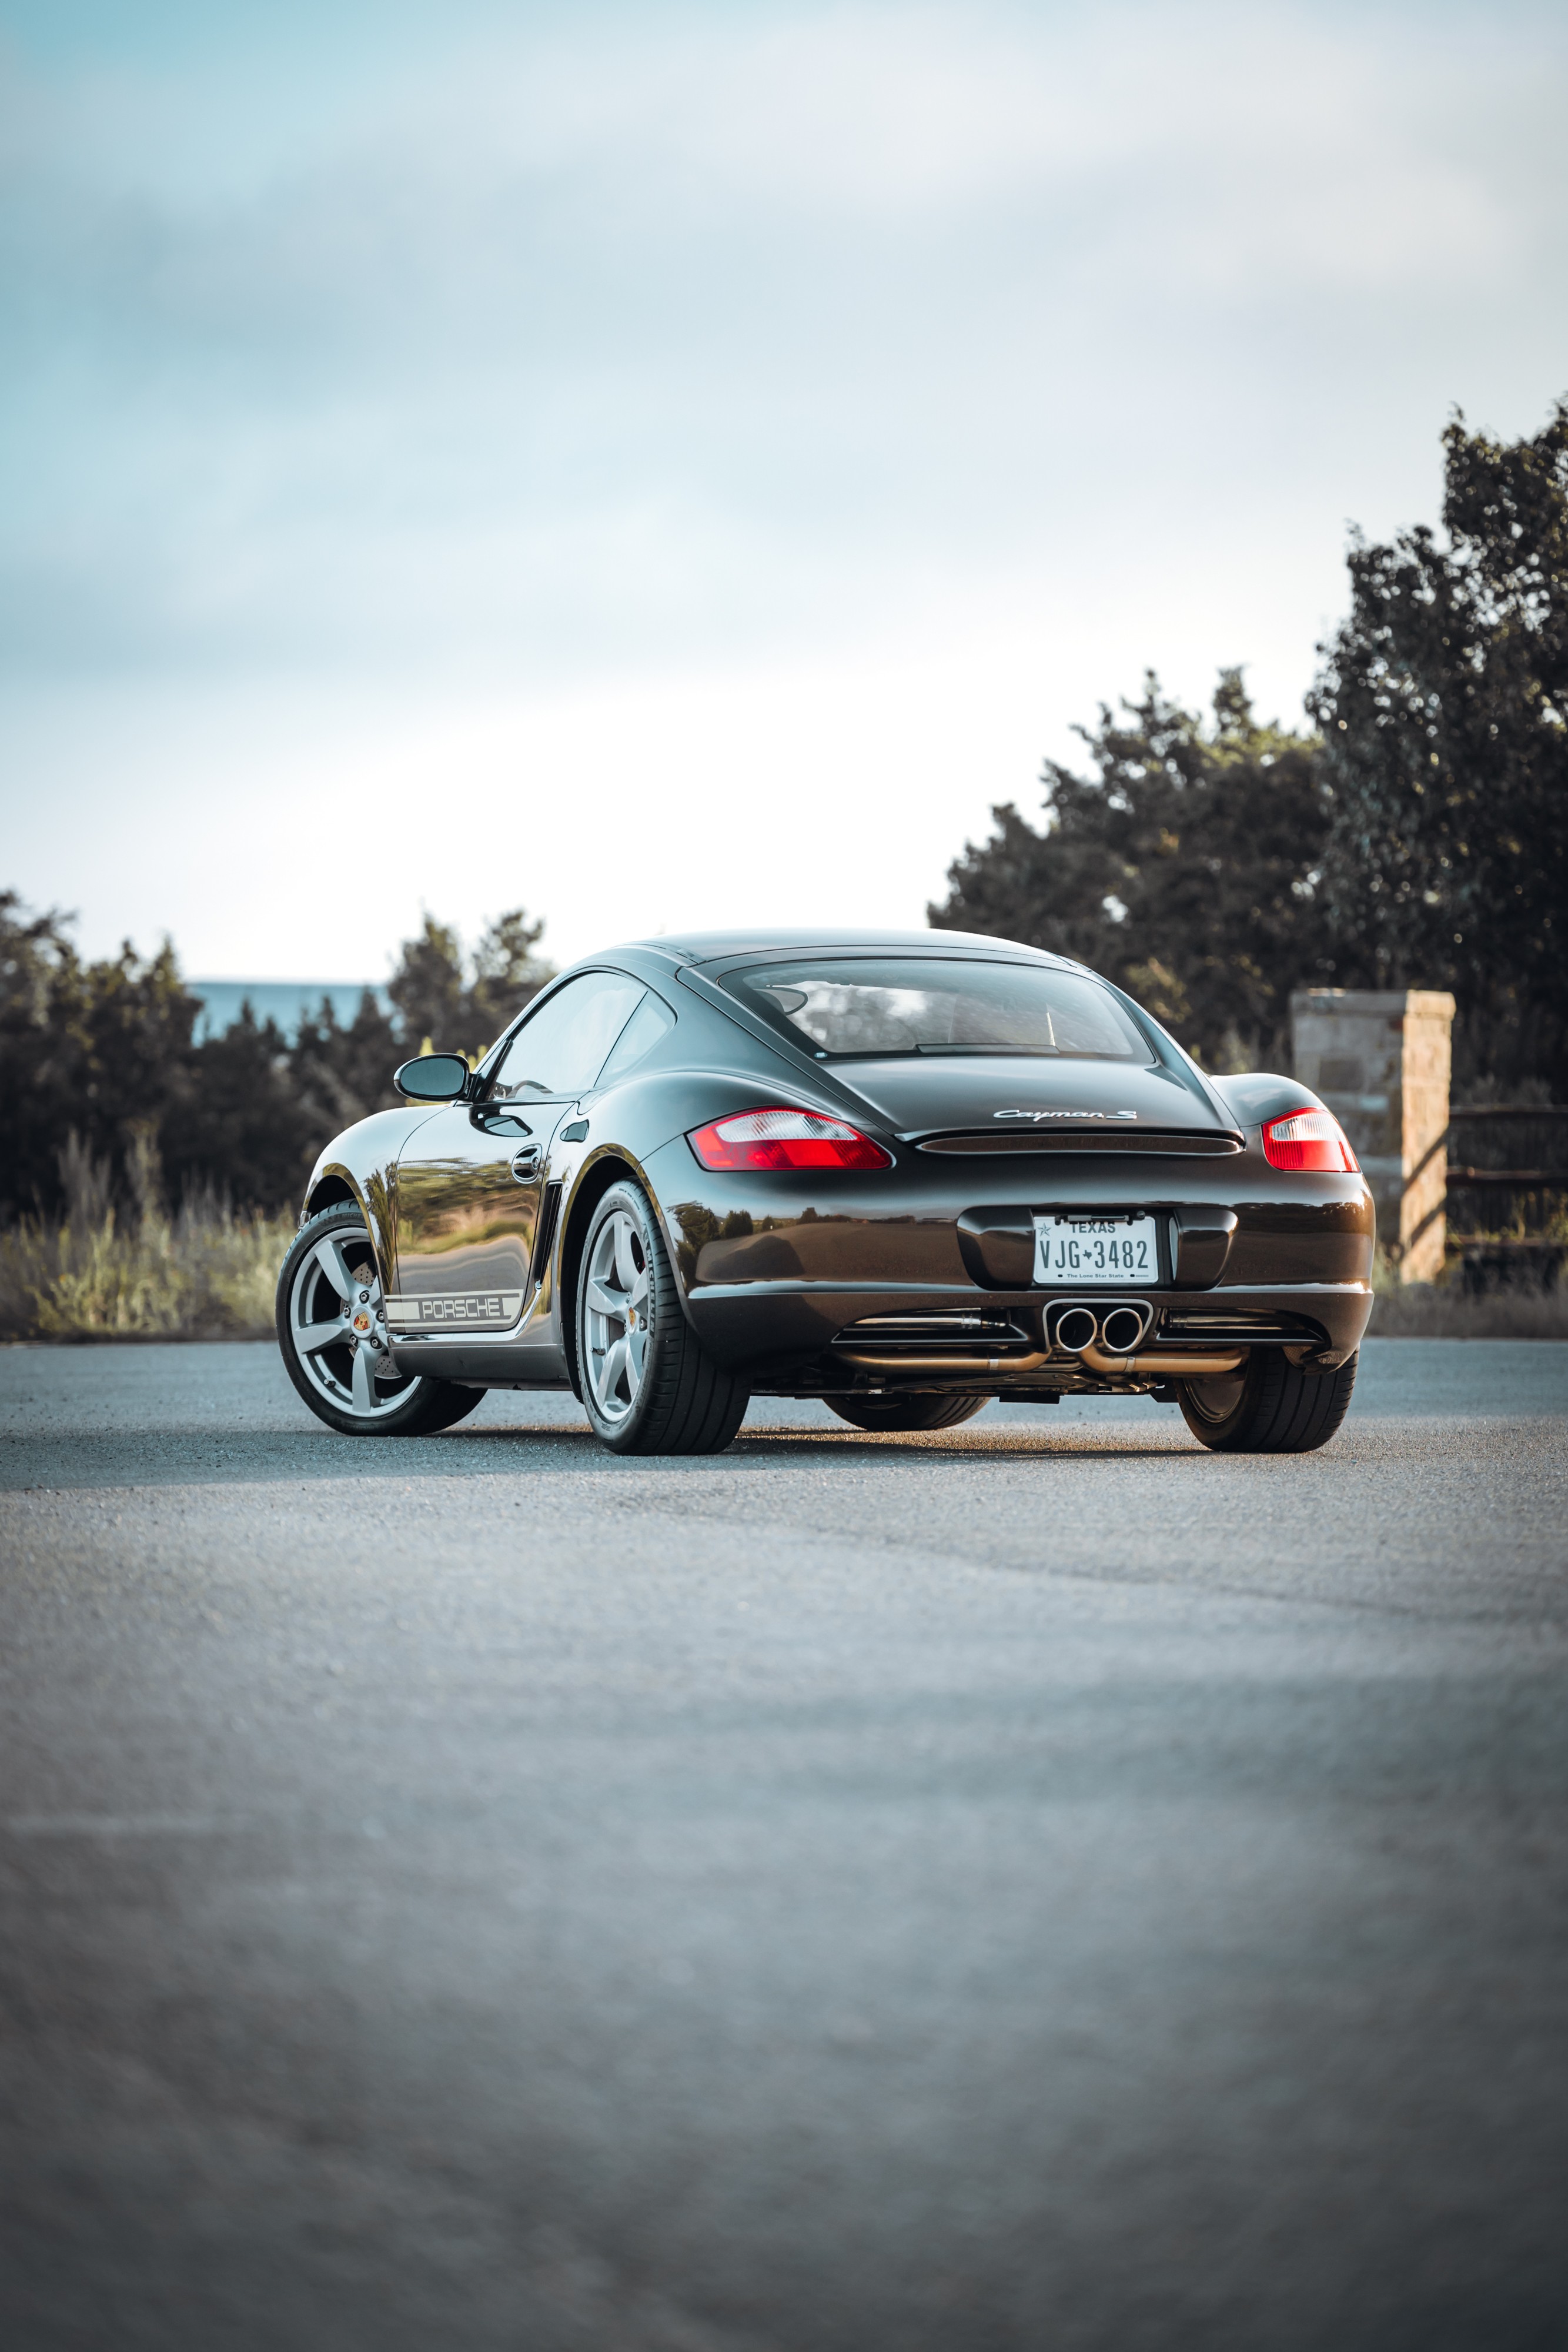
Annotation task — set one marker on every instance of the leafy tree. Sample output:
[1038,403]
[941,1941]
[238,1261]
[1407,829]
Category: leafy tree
[233,1118]
[1443,701]
[41,1046]
[427,989]
[437,1003]
[507,972]
[1185,867]
[99,1068]
[98,1048]
[341,1074]
[137,1020]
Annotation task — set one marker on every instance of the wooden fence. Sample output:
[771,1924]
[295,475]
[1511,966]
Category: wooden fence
[1532,1254]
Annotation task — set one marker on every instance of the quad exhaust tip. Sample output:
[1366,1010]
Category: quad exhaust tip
[1120,1329]
[1109,1341]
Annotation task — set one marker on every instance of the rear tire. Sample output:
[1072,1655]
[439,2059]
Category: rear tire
[649,1386]
[943,1410]
[1272,1406]
[330,1277]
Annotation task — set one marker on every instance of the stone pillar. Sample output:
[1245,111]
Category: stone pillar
[1379,1058]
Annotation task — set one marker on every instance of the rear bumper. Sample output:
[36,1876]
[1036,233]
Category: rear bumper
[792,1337]
[774,1268]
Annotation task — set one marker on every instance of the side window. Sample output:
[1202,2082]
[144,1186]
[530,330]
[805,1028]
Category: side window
[652,1021]
[560,1049]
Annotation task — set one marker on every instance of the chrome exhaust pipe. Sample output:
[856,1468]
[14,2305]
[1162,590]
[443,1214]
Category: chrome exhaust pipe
[1107,1349]
[1111,1349]
[1124,1329]
[1077,1328]
[1162,1363]
[889,1359]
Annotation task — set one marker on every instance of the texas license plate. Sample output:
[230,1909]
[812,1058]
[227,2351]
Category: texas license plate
[1096,1249]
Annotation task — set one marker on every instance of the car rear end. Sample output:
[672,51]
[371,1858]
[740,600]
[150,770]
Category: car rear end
[1030,1224]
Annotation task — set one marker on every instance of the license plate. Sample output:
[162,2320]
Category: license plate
[1096,1249]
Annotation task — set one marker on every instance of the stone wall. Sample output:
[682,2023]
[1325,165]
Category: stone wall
[1379,1058]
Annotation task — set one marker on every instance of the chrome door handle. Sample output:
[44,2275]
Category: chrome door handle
[526,1162]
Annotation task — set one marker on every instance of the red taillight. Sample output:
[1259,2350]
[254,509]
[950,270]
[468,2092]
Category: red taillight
[1308,1139]
[765,1140]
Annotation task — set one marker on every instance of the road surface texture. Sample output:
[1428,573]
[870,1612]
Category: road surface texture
[1039,1886]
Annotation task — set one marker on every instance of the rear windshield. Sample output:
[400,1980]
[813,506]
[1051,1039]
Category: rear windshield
[915,1004]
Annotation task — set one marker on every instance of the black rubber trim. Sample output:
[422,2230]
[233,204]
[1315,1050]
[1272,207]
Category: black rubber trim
[544,1235]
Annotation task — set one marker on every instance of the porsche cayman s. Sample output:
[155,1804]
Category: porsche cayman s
[903,1174]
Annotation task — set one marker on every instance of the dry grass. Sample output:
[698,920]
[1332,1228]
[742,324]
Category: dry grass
[138,1274]
[1439,1310]
[1520,1307]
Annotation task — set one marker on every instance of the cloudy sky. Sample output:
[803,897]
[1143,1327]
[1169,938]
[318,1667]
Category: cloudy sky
[672,465]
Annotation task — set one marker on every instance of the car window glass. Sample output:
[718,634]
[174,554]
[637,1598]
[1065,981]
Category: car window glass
[652,1021]
[560,1048]
[912,1004]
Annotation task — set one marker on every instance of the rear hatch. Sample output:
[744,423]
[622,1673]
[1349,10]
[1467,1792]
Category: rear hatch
[985,1104]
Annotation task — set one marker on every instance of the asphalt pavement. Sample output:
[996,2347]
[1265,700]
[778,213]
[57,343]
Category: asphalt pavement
[1038,1885]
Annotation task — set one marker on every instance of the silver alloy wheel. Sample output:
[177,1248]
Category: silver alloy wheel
[337,1320]
[617,1301]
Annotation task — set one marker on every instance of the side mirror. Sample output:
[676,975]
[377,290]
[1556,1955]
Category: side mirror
[432,1077]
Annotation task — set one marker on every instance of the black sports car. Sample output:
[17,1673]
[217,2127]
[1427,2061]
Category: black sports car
[901,1173]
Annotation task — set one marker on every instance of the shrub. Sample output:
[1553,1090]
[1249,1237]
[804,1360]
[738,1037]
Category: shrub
[99,1273]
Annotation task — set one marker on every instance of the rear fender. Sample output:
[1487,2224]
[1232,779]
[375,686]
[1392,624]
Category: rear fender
[1263,1095]
[611,1164]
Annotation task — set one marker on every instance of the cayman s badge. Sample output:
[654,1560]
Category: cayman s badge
[1064,1114]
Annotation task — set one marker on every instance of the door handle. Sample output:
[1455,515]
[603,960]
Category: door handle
[526,1162]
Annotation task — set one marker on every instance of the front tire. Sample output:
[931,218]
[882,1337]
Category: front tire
[331,1329]
[943,1410]
[1270,1406]
[648,1384]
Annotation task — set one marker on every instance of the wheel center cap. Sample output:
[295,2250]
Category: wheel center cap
[361,1323]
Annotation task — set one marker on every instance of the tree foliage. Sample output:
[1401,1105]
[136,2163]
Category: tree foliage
[460,1009]
[505,973]
[1184,867]
[1443,701]
[1420,840]
[105,1053]
[102,1049]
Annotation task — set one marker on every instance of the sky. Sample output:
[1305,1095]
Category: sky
[680,466]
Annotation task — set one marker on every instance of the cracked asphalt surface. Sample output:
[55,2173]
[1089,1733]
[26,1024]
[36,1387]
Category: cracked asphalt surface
[1038,1885]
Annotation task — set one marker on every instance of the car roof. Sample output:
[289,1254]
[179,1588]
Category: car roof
[718,947]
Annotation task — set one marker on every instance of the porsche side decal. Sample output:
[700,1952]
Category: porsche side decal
[474,1309]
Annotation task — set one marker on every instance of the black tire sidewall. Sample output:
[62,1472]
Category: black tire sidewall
[1283,1408]
[1220,1433]
[923,1413]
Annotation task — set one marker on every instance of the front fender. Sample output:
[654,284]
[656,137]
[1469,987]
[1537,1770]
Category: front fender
[360,1165]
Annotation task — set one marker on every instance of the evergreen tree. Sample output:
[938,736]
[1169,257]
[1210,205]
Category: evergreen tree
[1185,867]
[100,1072]
[232,1118]
[507,972]
[441,1005]
[428,992]
[341,1074]
[1443,701]
[94,1048]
